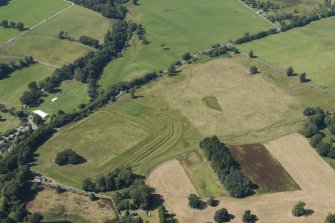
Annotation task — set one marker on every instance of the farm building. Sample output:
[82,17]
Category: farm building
[40,113]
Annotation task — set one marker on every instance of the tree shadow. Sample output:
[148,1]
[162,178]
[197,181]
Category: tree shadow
[308,212]
[156,201]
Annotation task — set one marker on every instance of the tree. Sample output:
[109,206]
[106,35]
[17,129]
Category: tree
[302,77]
[61,34]
[315,140]
[29,98]
[161,214]
[289,71]
[330,218]
[221,216]
[135,2]
[251,54]
[187,56]
[194,201]
[211,201]
[4,23]
[12,24]
[19,26]
[37,119]
[172,70]
[132,93]
[299,209]
[248,217]
[69,156]
[92,197]
[59,189]
[253,70]
[34,218]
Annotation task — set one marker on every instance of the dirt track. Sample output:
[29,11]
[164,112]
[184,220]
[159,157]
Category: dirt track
[314,176]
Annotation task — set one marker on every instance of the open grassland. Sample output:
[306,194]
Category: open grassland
[309,49]
[70,95]
[138,133]
[8,122]
[263,169]
[12,87]
[30,12]
[169,118]
[201,174]
[302,7]
[317,180]
[69,206]
[43,44]
[179,26]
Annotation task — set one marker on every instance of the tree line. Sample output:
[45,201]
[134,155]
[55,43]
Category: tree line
[250,37]
[226,167]
[113,9]
[10,24]
[88,68]
[9,68]
[317,122]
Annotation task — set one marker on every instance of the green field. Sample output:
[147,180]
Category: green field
[169,118]
[30,12]
[310,49]
[8,122]
[139,133]
[181,26]
[12,88]
[71,94]
[201,175]
[42,43]
[302,7]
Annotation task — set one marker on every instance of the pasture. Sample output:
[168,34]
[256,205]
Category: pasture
[176,27]
[169,118]
[70,206]
[71,94]
[30,12]
[12,87]
[316,180]
[263,169]
[125,133]
[201,174]
[309,49]
[8,122]
[43,44]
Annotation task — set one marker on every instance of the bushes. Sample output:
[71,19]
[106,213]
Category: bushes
[248,217]
[222,215]
[226,167]
[194,201]
[299,209]
[330,218]
[86,40]
[69,156]
[253,70]
[19,26]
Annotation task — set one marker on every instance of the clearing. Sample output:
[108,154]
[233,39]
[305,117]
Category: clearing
[70,206]
[176,27]
[262,168]
[317,180]
[309,49]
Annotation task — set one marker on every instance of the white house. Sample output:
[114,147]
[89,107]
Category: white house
[40,113]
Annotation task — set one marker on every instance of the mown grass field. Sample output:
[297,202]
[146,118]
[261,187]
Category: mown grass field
[12,88]
[309,49]
[43,44]
[263,169]
[201,174]
[8,122]
[176,27]
[70,207]
[30,12]
[135,133]
[70,95]
[169,118]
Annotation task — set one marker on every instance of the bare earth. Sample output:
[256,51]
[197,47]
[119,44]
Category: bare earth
[315,177]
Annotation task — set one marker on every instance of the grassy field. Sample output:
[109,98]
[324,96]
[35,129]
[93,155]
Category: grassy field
[169,118]
[42,43]
[135,133]
[8,122]
[12,88]
[263,169]
[201,175]
[310,49]
[70,95]
[176,27]
[70,207]
[30,12]
[302,7]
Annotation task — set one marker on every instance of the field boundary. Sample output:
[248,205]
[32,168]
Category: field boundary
[38,24]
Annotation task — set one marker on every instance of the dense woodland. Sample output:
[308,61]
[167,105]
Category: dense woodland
[318,124]
[69,156]
[226,167]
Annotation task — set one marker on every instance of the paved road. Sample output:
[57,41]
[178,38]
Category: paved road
[40,23]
